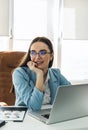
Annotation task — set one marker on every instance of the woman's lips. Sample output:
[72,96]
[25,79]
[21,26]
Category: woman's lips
[39,63]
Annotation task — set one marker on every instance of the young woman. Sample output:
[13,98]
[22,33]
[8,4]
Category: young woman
[35,82]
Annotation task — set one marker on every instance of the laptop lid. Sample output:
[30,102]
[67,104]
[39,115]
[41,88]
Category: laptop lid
[70,102]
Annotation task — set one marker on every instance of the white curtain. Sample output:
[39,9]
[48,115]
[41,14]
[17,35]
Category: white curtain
[4,17]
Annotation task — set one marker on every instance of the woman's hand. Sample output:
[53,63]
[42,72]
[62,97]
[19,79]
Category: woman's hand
[3,104]
[33,66]
[39,73]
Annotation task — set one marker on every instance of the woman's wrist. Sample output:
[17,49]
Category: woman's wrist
[39,83]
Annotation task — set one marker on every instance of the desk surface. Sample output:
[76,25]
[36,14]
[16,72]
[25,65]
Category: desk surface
[34,124]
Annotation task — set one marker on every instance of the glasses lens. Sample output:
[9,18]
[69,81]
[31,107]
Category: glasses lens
[32,53]
[42,52]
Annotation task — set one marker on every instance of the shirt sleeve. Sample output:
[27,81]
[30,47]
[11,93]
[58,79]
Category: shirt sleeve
[26,91]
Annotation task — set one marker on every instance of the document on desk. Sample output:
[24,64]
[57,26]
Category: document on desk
[12,113]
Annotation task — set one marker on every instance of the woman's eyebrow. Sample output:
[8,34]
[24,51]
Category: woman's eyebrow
[43,50]
[39,50]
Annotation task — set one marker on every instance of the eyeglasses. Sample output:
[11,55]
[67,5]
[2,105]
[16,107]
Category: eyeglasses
[40,53]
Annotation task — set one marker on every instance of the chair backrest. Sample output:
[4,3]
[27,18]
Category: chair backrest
[8,61]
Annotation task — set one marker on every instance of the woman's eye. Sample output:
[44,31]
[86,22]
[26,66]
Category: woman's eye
[43,52]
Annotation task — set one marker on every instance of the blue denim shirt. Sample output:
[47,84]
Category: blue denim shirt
[26,92]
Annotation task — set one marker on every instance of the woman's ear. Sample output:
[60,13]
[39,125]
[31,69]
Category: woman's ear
[52,56]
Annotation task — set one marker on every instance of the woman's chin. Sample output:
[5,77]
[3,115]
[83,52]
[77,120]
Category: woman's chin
[39,67]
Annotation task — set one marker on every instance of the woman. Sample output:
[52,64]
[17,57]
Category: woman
[35,82]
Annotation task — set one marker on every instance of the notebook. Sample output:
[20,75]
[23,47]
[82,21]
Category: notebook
[70,102]
[12,113]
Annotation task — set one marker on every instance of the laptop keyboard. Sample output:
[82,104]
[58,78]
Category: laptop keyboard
[46,116]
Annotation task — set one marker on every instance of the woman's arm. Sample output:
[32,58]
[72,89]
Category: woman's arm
[26,91]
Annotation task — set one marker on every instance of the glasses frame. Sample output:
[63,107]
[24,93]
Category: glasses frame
[40,53]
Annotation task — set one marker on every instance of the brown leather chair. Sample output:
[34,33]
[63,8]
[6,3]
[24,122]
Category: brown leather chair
[8,62]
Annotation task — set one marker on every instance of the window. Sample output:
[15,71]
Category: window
[63,21]
[75,59]
[4,17]
[74,55]
[30,18]
[4,43]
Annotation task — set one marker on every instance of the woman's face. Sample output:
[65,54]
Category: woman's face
[40,54]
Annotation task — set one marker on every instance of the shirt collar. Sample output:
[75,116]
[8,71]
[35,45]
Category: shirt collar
[47,77]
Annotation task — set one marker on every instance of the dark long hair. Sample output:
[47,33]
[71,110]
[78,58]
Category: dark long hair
[27,57]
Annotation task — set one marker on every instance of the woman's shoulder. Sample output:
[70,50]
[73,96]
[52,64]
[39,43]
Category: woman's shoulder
[25,71]
[21,70]
[54,70]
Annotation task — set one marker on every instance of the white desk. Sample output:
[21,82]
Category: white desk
[31,123]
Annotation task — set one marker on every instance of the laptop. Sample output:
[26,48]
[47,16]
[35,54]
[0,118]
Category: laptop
[71,102]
